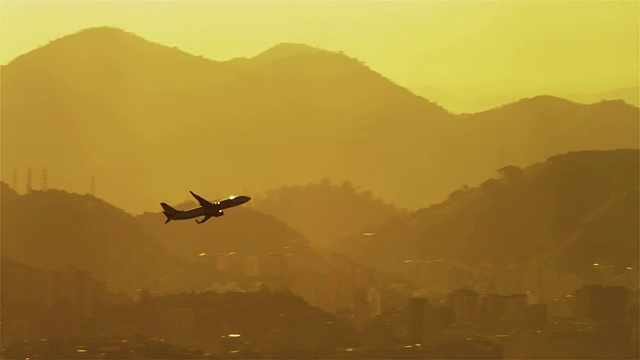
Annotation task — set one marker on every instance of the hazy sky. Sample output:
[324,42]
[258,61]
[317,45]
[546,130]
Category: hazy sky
[479,49]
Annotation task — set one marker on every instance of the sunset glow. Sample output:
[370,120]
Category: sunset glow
[468,55]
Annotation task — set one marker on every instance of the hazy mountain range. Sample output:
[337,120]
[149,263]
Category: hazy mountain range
[572,210]
[151,122]
[324,212]
[457,104]
[53,229]
[630,95]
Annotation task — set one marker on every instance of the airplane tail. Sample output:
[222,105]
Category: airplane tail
[168,211]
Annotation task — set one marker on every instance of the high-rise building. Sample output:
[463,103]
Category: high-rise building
[274,266]
[374,297]
[416,318]
[74,287]
[361,309]
[230,263]
[252,266]
[598,304]
[438,319]
[460,277]
[516,311]
[177,325]
[537,317]
[493,309]
[632,277]
[465,305]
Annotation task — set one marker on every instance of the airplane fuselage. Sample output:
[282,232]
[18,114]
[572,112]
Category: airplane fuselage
[212,210]
[206,208]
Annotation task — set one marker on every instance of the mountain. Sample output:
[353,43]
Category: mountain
[241,230]
[148,121]
[573,209]
[324,212]
[7,194]
[53,229]
[458,104]
[630,95]
[608,236]
[534,129]
[286,50]
[277,316]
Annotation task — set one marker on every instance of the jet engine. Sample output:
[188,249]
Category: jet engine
[219,213]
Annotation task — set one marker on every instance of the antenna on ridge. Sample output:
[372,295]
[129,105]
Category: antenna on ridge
[44,180]
[15,180]
[29,188]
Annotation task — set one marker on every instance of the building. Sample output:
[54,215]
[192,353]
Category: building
[492,309]
[597,304]
[416,320]
[465,305]
[177,325]
[75,288]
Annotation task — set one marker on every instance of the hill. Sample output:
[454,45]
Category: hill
[257,315]
[241,230]
[608,236]
[324,212]
[53,229]
[573,210]
[7,195]
[630,95]
[138,116]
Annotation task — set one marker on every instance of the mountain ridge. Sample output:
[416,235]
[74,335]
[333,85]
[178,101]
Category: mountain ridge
[553,211]
[324,115]
[630,95]
[284,50]
[53,228]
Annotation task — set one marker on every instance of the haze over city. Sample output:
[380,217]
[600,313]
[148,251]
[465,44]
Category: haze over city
[369,180]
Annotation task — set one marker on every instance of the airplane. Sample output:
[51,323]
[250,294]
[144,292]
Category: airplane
[206,208]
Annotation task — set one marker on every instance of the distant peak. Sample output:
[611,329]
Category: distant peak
[95,37]
[99,43]
[103,29]
[548,100]
[284,50]
[540,101]
[293,48]
[101,33]
[544,99]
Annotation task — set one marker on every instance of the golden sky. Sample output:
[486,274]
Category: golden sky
[477,52]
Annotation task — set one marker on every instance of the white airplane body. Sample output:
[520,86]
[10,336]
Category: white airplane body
[207,208]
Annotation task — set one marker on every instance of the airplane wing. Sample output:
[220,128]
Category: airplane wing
[204,219]
[203,202]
